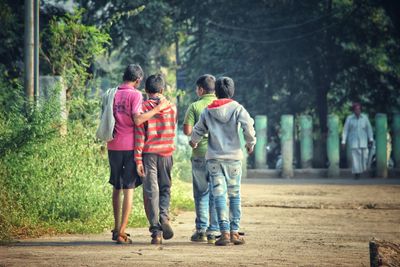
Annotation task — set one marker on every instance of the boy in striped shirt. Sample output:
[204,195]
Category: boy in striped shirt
[154,145]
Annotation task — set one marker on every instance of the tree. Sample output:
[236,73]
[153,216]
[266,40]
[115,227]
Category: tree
[299,57]
[69,47]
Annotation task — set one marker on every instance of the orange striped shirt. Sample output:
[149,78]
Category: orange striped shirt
[157,134]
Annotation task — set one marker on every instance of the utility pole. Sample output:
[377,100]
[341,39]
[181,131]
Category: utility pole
[28,50]
[36,50]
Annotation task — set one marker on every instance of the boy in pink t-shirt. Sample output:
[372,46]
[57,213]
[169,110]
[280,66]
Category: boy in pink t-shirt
[127,113]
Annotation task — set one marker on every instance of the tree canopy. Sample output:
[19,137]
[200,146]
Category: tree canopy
[312,57]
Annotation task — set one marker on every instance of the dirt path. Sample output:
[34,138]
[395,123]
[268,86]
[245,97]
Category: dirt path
[286,225]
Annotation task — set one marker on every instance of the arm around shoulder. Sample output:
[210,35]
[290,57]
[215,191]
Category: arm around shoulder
[142,118]
[200,129]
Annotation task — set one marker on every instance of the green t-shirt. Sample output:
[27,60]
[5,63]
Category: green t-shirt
[192,116]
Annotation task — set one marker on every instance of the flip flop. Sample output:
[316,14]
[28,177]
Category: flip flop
[123,239]
[115,234]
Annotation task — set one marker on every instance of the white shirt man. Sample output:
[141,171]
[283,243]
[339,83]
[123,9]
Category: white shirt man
[357,132]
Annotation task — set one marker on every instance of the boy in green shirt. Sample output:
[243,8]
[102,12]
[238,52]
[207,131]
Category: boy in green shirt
[206,216]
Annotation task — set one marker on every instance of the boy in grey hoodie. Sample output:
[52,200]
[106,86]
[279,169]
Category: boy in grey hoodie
[221,120]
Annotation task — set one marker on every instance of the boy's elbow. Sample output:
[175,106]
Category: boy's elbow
[187,130]
[137,120]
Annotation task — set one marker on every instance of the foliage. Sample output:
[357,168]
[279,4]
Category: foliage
[69,48]
[144,39]
[61,185]
[309,57]
[22,122]
[56,184]
[11,45]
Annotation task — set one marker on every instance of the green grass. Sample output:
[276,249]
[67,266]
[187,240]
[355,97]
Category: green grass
[60,185]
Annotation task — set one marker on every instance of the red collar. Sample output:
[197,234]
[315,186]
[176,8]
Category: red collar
[219,102]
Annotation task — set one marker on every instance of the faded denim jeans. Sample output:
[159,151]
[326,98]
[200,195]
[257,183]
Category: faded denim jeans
[206,215]
[225,179]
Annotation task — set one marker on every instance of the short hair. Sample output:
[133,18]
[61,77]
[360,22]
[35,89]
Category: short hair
[224,87]
[207,82]
[155,84]
[132,73]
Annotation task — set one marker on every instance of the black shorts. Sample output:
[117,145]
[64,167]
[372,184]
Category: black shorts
[123,170]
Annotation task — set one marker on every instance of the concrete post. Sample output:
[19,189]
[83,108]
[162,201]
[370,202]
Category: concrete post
[332,146]
[306,141]
[259,150]
[244,151]
[287,145]
[381,145]
[396,139]
[53,87]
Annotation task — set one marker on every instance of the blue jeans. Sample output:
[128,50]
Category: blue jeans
[206,215]
[225,179]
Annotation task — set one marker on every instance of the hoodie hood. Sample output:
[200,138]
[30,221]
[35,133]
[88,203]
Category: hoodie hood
[222,109]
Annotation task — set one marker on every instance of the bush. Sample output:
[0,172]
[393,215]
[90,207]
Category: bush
[61,185]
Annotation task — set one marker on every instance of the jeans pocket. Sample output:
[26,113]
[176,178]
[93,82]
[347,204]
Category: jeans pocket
[213,168]
[234,169]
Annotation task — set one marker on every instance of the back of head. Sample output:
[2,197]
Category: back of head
[155,84]
[132,73]
[224,87]
[207,82]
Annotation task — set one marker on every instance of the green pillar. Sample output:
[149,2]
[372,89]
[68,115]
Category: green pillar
[244,150]
[381,145]
[287,145]
[306,141]
[259,150]
[396,139]
[332,146]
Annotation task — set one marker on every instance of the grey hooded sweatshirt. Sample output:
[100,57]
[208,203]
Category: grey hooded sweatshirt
[222,121]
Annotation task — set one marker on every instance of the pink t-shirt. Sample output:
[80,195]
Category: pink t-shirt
[127,102]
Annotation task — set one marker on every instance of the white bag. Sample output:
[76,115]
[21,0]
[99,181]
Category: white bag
[107,121]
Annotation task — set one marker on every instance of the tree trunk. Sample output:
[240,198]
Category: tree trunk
[384,253]
[324,74]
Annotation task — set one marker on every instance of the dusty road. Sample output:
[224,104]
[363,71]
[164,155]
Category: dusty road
[287,223]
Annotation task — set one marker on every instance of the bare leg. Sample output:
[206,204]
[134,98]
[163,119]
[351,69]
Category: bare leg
[126,209]
[116,201]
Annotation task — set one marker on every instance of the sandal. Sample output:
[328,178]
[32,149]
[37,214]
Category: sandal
[115,233]
[123,239]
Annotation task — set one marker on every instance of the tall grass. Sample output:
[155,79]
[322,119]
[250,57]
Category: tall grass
[57,184]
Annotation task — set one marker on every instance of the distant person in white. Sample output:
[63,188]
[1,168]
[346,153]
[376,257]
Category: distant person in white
[357,132]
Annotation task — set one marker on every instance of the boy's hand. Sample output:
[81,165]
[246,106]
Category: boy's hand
[163,104]
[193,145]
[140,170]
[249,149]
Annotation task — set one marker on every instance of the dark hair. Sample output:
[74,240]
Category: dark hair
[132,73]
[355,104]
[207,82]
[155,84]
[224,87]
